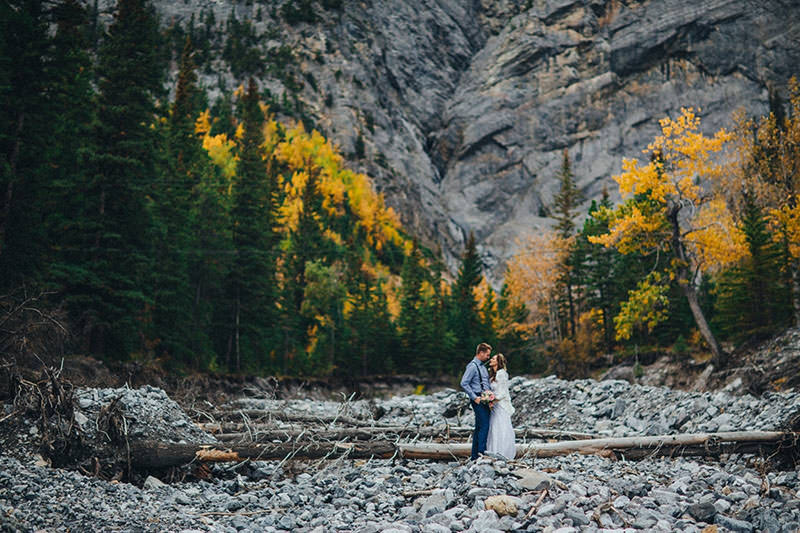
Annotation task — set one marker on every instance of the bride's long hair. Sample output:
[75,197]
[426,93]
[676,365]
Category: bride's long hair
[501,364]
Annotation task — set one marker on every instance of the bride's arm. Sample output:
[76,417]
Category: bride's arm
[501,386]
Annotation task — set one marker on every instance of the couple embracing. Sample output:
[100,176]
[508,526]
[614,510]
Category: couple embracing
[490,399]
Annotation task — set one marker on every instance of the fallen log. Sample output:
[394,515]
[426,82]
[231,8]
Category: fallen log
[150,454]
[160,455]
[708,444]
[260,433]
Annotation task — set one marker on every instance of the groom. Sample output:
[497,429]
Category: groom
[474,383]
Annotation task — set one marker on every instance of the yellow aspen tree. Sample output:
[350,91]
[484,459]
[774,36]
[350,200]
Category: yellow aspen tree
[671,205]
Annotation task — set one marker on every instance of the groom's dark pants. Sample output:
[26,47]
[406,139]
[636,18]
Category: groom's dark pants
[481,428]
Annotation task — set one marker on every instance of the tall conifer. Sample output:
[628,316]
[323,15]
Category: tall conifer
[26,114]
[119,241]
[183,163]
[413,320]
[253,217]
[465,321]
[566,203]
[751,298]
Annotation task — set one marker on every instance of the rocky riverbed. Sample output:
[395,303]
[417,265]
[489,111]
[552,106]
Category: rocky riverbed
[564,494]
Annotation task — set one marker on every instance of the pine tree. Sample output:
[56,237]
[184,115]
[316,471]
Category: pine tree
[183,164]
[253,216]
[464,321]
[424,346]
[566,201]
[752,301]
[489,314]
[72,139]
[608,274]
[600,266]
[371,323]
[123,166]
[412,322]
[565,205]
[324,296]
[26,114]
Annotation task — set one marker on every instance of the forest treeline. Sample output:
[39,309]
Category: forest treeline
[216,237]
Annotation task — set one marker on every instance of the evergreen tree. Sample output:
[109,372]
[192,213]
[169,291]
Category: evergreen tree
[72,140]
[567,199]
[371,345]
[489,315]
[118,240]
[752,300]
[324,296]
[211,266]
[175,313]
[566,202]
[414,322]
[601,266]
[465,322]
[26,114]
[376,335]
[306,243]
[253,216]
[296,11]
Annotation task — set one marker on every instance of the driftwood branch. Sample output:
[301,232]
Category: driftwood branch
[159,455]
[259,415]
[230,432]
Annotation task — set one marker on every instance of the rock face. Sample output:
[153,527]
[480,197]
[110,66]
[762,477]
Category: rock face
[466,107]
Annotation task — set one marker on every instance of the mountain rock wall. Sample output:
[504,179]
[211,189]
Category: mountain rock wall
[465,106]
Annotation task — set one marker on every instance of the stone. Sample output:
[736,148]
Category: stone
[434,504]
[578,517]
[533,480]
[80,418]
[722,505]
[486,520]
[479,493]
[703,512]
[503,504]
[181,498]
[435,528]
[619,408]
[663,496]
[733,524]
[151,483]
[549,509]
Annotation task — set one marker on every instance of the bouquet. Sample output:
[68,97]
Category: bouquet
[487,398]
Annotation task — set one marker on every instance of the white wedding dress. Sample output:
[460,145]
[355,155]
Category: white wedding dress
[501,432]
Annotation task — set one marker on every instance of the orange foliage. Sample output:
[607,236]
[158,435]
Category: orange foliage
[533,273]
[682,175]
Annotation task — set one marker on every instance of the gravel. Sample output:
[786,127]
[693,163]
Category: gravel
[583,493]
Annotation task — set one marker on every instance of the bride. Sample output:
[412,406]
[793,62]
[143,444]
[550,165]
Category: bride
[501,433]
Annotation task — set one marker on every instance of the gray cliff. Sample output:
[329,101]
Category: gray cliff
[465,106]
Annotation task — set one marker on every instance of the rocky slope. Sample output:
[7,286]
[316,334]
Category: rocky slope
[465,107]
[565,494]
